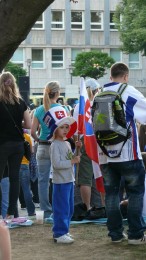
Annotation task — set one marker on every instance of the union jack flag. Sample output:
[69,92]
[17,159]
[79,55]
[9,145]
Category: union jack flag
[85,127]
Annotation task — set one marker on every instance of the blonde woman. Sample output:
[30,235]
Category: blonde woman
[11,143]
[39,132]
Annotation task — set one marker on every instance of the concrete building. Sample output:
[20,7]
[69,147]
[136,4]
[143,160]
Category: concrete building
[64,30]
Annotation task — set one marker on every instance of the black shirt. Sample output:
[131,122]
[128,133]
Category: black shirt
[8,131]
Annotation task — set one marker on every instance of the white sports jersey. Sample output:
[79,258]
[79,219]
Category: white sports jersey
[135,110]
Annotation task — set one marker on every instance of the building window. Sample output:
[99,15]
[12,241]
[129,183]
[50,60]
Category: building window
[116,54]
[97,49]
[18,57]
[37,59]
[57,21]
[112,24]
[134,61]
[96,20]
[74,53]
[57,58]
[39,24]
[77,20]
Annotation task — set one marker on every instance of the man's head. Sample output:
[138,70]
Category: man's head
[119,72]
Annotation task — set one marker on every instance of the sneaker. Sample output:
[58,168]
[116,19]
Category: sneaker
[32,216]
[37,205]
[69,235]
[8,218]
[47,214]
[121,239]
[95,213]
[3,222]
[64,239]
[140,241]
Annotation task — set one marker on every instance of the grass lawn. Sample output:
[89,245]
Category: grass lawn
[91,243]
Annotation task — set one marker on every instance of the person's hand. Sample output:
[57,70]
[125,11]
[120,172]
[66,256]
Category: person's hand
[78,144]
[124,202]
[76,159]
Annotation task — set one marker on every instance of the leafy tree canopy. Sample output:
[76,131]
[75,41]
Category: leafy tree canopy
[132,25]
[15,69]
[92,64]
[16,20]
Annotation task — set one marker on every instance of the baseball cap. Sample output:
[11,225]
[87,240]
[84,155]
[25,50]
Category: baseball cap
[92,84]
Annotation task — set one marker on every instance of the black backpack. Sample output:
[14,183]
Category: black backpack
[109,122]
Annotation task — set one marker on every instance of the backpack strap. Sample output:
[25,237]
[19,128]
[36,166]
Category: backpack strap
[122,88]
[119,153]
[101,90]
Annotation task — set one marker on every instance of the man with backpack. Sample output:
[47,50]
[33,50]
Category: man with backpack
[127,163]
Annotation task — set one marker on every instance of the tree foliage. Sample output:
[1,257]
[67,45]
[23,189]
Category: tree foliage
[15,69]
[92,64]
[16,20]
[132,25]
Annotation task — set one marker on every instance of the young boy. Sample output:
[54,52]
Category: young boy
[62,127]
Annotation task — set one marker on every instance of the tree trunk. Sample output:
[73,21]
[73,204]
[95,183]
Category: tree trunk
[16,20]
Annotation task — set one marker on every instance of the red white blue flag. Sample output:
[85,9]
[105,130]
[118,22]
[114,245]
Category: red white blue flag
[85,127]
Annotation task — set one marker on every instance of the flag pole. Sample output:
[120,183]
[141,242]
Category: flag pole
[77,165]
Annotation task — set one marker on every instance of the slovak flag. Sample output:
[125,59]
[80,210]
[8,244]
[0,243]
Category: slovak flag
[85,127]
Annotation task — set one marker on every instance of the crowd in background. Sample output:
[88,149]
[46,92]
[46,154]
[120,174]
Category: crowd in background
[30,182]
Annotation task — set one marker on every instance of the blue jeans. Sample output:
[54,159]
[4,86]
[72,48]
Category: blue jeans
[25,184]
[63,207]
[44,165]
[134,175]
[5,196]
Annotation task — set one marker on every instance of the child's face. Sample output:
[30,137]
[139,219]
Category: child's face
[61,132]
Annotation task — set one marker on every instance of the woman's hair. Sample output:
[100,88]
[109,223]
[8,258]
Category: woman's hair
[51,91]
[9,92]
[90,93]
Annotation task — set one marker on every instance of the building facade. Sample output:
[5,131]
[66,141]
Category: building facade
[66,29]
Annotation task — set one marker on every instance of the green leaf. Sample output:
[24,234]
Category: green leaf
[15,69]
[92,64]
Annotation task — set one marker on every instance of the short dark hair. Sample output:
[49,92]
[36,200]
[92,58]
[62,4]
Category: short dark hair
[119,69]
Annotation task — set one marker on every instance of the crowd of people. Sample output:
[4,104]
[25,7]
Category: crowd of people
[51,130]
